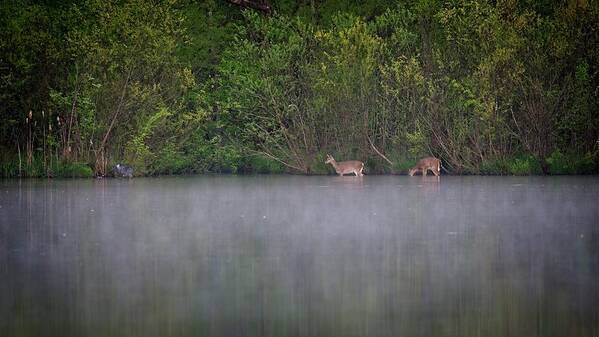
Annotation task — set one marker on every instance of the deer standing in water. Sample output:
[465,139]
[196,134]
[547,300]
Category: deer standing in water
[346,167]
[425,164]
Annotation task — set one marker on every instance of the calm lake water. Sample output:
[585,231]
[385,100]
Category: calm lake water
[300,256]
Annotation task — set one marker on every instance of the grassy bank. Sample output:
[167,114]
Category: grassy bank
[558,163]
[12,167]
[38,169]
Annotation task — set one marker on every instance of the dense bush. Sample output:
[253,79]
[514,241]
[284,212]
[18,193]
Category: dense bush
[187,87]
[561,163]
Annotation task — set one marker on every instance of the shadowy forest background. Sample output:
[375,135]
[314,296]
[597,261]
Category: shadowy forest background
[489,87]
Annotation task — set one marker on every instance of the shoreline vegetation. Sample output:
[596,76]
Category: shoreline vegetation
[557,164]
[187,87]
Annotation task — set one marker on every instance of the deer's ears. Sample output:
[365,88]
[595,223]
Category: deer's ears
[328,155]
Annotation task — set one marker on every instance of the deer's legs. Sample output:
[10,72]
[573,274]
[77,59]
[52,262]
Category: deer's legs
[424,172]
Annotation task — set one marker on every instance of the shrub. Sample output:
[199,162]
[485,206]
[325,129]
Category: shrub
[524,166]
[72,170]
[261,164]
[9,169]
[494,167]
[170,161]
[589,164]
[403,166]
[318,166]
[562,163]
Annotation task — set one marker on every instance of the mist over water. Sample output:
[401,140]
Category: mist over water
[300,256]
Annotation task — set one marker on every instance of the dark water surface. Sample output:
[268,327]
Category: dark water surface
[300,256]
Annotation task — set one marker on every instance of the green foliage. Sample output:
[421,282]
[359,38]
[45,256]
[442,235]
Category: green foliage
[169,160]
[561,163]
[210,27]
[526,165]
[262,165]
[39,169]
[403,166]
[191,87]
[223,159]
[495,167]
[138,151]
[72,170]
[519,165]
[319,167]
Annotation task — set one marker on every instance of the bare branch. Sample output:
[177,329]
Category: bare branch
[378,152]
[280,160]
[117,112]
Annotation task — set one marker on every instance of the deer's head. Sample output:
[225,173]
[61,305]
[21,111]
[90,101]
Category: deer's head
[330,159]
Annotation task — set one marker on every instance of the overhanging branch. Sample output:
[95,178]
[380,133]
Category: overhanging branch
[378,152]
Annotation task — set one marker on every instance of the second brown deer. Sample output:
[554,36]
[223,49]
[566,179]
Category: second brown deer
[425,164]
[346,167]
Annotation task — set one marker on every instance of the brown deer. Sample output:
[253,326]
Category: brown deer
[346,167]
[425,164]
